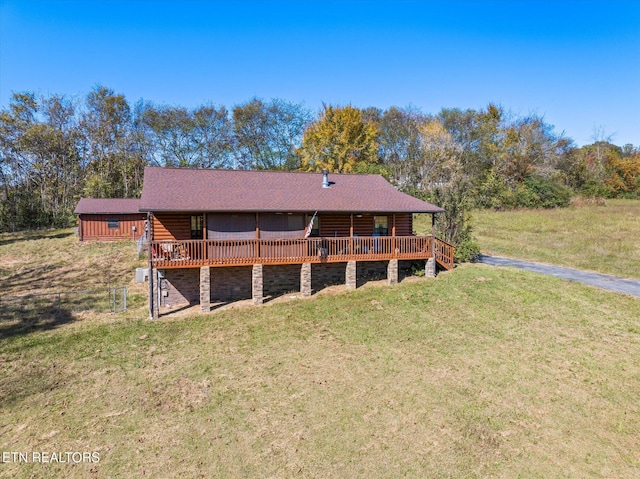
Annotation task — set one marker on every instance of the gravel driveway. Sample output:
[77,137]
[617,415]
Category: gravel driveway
[605,281]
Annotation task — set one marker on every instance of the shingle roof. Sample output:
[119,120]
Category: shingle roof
[193,190]
[88,206]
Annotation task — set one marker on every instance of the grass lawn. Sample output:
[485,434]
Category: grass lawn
[53,261]
[597,238]
[481,372]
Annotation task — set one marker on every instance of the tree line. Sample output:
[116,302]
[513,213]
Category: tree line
[54,150]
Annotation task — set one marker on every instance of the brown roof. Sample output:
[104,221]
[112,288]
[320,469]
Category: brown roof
[179,189]
[89,206]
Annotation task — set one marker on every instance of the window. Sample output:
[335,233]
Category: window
[113,223]
[381,227]
[197,223]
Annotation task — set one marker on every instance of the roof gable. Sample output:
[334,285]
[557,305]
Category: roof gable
[201,190]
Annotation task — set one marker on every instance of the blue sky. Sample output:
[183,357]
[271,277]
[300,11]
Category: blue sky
[577,63]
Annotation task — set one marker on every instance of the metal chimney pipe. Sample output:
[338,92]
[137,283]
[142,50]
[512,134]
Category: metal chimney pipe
[325,178]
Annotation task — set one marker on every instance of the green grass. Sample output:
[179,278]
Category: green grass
[584,236]
[477,373]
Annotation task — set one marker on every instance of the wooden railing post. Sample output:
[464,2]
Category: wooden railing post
[433,236]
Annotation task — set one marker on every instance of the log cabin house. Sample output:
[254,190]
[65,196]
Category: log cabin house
[220,235]
[109,219]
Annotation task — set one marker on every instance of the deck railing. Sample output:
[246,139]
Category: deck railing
[444,253]
[237,252]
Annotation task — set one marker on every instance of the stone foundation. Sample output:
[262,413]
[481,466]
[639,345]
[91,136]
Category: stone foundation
[281,279]
[231,284]
[327,274]
[179,287]
[222,284]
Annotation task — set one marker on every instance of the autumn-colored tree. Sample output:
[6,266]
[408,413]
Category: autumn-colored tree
[603,169]
[341,141]
[623,173]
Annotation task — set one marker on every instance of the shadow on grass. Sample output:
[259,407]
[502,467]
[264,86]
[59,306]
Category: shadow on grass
[16,319]
[30,378]
[33,235]
[220,305]
[27,278]
[215,305]
[372,277]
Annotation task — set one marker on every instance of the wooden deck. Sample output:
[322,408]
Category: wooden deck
[195,253]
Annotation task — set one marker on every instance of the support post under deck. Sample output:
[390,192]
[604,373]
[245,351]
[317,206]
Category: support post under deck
[351,275]
[392,272]
[257,284]
[205,289]
[430,268]
[305,280]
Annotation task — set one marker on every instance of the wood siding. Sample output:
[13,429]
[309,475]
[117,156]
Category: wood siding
[404,224]
[334,225]
[96,227]
[363,225]
[171,226]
